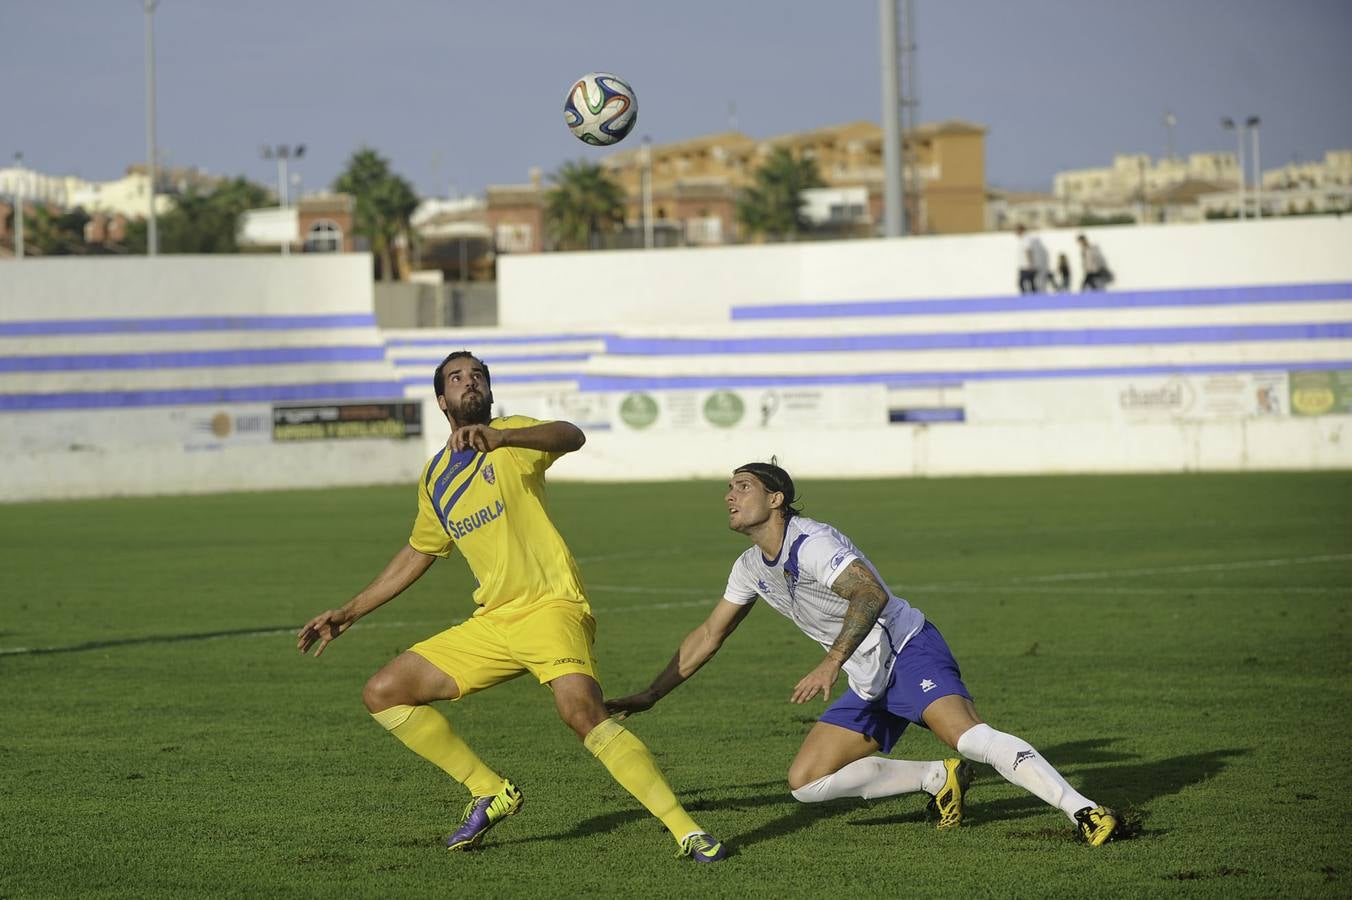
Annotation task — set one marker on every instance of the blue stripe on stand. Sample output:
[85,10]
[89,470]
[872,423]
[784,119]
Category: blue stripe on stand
[494,360]
[343,390]
[499,380]
[1290,293]
[186,359]
[186,323]
[931,379]
[1190,334]
[483,342]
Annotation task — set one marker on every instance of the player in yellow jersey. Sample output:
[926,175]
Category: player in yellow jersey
[484,493]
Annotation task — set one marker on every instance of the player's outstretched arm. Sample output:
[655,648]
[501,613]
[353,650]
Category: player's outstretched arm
[551,437]
[407,566]
[867,599]
[697,649]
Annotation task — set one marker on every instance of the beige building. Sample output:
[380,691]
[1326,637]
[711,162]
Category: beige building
[1334,171]
[1133,176]
[695,184]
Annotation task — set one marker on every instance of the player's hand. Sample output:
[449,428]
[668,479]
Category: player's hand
[475,437]
[321,629]
[624,707]
[819,681]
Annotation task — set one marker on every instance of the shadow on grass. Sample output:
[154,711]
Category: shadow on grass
[1110,778]
[147,639]
[720,798]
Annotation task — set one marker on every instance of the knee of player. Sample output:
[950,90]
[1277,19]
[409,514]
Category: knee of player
[801,775]
[381,692]
[582,718]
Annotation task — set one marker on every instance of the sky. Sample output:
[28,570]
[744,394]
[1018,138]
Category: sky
[459,95]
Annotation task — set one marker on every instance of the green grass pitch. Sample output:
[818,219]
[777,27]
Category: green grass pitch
[1177,645]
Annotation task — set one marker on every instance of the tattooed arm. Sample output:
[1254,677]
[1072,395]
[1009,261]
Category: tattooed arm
[867,598]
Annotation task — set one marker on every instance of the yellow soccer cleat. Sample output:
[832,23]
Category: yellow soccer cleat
[945,808]
[1097,825]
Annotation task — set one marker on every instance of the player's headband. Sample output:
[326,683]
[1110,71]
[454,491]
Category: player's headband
[775,479]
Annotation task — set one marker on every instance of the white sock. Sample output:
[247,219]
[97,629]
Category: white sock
[1016,760]
[875,776]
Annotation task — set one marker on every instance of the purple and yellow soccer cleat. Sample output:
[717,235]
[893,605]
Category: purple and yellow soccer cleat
[482,813]
[702,847]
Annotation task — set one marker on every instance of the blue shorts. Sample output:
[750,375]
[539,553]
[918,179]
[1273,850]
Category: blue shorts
[925,671]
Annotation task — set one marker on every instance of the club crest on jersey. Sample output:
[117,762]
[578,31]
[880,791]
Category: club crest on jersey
[489,475]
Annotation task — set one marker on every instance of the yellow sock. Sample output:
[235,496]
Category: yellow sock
[634,768]
[427,733]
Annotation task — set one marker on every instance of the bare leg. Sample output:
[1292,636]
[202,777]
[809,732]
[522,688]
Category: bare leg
[837,762]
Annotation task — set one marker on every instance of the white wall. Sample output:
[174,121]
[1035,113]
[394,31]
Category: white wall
[59,288]
[143,446]
[655,287]
[952,449]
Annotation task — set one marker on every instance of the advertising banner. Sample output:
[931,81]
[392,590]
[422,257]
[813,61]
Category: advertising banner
[1321,392]
[750,408]
[344,421]
[1150,398]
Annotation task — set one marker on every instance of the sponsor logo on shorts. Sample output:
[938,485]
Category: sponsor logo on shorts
[1021,756]
[926,686]
[569,659]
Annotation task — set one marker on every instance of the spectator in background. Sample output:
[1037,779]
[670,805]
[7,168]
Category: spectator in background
[1032,261]
[1097,275]
[1061,277]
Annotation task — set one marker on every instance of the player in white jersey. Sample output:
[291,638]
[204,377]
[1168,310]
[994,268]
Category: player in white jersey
[898,667]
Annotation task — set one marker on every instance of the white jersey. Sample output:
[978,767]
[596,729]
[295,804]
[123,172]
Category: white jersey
[798,582]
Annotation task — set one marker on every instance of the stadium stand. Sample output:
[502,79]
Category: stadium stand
[923,350]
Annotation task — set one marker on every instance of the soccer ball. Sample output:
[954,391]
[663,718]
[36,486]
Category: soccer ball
[601,109]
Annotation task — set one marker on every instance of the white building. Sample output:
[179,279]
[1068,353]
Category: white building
[127,196]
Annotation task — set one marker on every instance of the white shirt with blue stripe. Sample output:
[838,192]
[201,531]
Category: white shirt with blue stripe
[797,583]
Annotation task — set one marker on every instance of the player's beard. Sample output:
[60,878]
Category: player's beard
[475,409]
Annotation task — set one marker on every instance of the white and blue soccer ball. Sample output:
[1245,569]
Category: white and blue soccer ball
[601,109]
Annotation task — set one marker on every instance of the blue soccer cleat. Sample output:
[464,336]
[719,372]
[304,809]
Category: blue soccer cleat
[702,847]
[482,813]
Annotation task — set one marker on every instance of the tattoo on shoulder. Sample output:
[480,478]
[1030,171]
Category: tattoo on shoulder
[855,578]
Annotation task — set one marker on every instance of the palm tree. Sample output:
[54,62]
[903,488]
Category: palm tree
[384,201]
[773,204]
[584,201]
[205,221]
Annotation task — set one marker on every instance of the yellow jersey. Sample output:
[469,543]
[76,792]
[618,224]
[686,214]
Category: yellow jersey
[492,506]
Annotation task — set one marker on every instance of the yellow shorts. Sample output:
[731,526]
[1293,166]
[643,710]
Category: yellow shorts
[551,640]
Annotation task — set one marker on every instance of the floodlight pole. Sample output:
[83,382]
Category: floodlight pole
[282,152]
[152,226]
[894,212]
[1229,125]
[18,206]
[1252,124]
[647,193]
